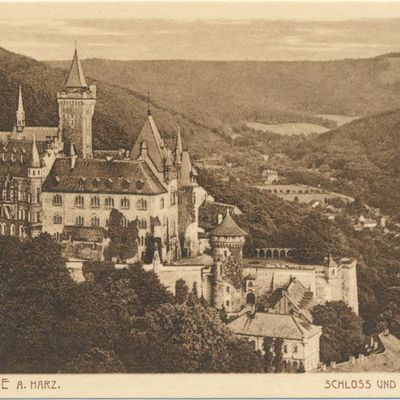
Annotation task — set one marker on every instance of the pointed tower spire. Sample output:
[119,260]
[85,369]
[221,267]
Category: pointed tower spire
[76,78]
[148,104]
[35,158]
[178,147]
[20,112]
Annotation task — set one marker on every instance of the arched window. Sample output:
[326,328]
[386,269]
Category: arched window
[125,184]
[124,203]
[95,202]
[79,220]
[57,219]
[21,231]
[79,201]
[142,224]
[162,203]
[95,221]
[109,202]
[142,204]
[3,229]
[12,230]
[57,200]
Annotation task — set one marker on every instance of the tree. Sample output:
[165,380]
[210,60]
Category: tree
[342,334]
[123,237]
[268,354]
[181,291]
[278,350]
[95,361]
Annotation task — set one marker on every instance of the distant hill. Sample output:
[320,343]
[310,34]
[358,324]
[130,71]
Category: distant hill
[215,93]
[363,155]
[119,114]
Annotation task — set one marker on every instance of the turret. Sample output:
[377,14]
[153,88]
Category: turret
[178,152]
[20,113]
[227,240]
[76,104]
[35,176]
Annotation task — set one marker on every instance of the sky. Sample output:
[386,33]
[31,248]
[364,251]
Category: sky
[201,31]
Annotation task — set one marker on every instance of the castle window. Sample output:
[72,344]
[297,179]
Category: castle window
[142,224]
[21,231]
[95,202]
[82,183]
[79,220]
[96,183]
[38,217]
[109,202]
[162,203]
[142,204]
[12,230]
[109,183]
[124,222]
[95,221]
[173,197]
[57,200]
[228,289]
[57,219]
[79,201]
[294,348]
[227,303]
[124,203]
[38,195]
[125,184]
[285,349]
[139,184]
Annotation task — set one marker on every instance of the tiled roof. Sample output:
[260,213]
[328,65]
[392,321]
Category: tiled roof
[273,325]
[76,78]
[228,227]
[155,145]
[84,233]
[16,155]
[42,133]
[102,176]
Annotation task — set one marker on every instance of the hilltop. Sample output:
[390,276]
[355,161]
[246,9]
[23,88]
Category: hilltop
[228,92]
[120,112]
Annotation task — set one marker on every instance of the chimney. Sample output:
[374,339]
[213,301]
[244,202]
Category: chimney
[219,219]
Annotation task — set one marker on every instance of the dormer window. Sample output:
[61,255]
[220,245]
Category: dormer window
[96,182]
[109,183]
[125,184]
[81,183]
[139,184]
[57,179]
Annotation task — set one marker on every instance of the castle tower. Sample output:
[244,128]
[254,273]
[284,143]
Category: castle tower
[227,241]
[35,176]
[76,104]
[20,125]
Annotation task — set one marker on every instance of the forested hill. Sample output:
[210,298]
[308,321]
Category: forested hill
[119,115]
[364,157]
[230,91]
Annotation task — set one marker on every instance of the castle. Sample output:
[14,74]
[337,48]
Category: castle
[51,180]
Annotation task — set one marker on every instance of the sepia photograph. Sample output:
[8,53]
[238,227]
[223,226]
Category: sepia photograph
[200,187]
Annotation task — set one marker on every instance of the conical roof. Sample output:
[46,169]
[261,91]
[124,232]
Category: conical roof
[76,78]
[35,158]
[228,227]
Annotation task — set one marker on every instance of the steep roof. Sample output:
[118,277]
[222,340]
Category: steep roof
[155,145]
[35,157]
[16,155]
[186,170]
[42,133]
[273,325]
[228,227]
[75,78]
[102,176]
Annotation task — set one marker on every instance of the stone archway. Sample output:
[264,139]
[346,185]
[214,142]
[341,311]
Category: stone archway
[251,298]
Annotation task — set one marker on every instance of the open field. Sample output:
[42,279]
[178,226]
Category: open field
[292,128]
